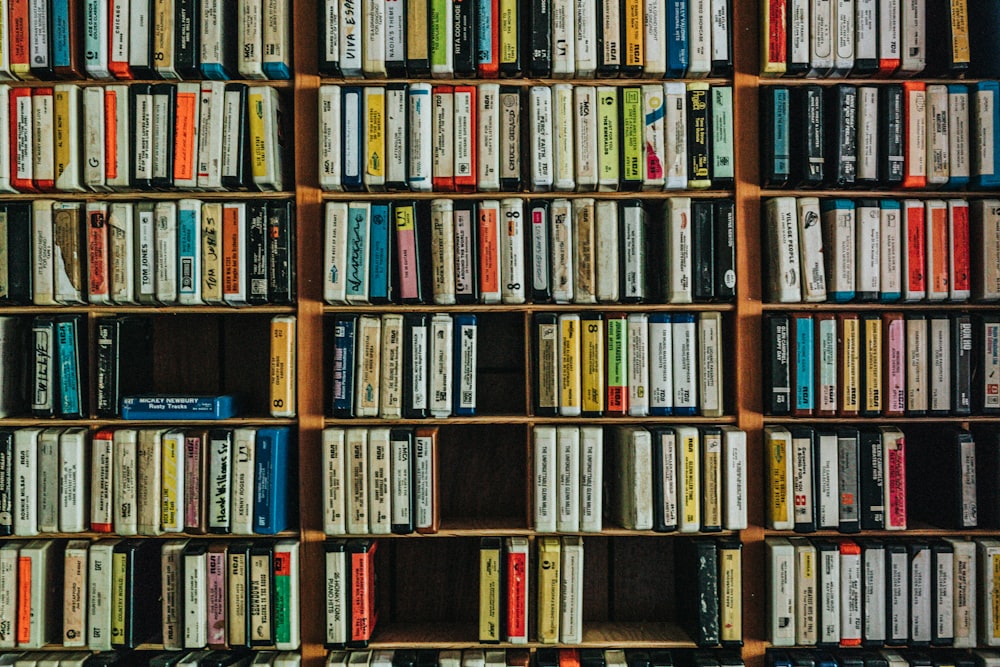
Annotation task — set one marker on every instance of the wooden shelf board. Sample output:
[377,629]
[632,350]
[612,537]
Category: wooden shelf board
[923,421]
[636,635]
[479,527]
[102,310]
[59,648]
[868,80]
[448,421]
[520,82]
[950,306]
[904,648]
[627,421]
[31,83]
[595,635]
[144,423]
[645,195]
[147,195]
[226,537]
[537,308]
[159,647]
[493,420]
[859,193]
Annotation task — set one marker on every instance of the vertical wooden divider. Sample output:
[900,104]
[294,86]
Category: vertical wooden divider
[309,249]
[747,330]
[744,370]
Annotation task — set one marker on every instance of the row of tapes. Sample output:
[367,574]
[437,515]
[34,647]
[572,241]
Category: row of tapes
[380,480]
[678,478]
[193,136]
[704,569]
[152,659]
[874,479]
[488,38]
[543,657]
[124,374]
[505,590]
[146,481]
[638,364]
[889,364]
[203,604]
[185,252]
[509,250]
[561,137]
[884,658]
[886,250]
[504,584]
[217,39]
[874,37]
[882,592]
[414,365]
[350,604]
[909,135]
[846,479]
[82,594]
[45,364]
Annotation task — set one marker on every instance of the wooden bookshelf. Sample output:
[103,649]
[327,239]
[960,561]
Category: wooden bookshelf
[742,360]
[429,592]
[751,306]
[427,604]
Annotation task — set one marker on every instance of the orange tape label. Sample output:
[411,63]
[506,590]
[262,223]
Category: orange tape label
[110,134]
[23,600]
[184,148]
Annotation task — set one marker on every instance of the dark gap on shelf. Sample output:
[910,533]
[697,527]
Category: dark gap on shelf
[483,474]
